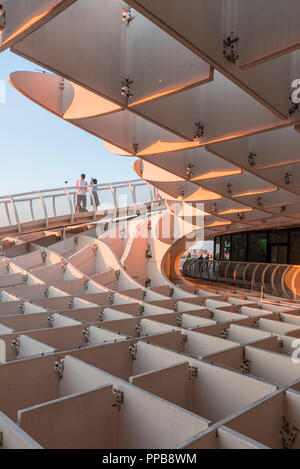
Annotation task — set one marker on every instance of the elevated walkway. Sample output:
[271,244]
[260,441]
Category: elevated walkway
[55,208]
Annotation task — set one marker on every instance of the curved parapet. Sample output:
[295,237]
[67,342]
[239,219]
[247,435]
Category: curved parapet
[277,279]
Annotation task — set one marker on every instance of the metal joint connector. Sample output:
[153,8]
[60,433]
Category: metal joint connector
[59,368]
[15,345]
[193,372]
[246,367]
[230,52]
[86,335]
[101,317]
[111,299]
[138,329]
[50,320]
[118,398]
[184,338]
[132,351]
[288,434]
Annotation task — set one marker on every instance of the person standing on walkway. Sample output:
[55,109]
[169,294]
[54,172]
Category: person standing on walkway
[93,185]
[81,187]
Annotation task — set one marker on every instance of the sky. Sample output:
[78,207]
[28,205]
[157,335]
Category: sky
[41,151]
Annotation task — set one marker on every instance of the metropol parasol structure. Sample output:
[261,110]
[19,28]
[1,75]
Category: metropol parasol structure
[204,96]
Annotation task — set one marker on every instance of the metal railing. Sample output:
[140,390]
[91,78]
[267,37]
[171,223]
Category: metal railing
[277,279]
[49,206]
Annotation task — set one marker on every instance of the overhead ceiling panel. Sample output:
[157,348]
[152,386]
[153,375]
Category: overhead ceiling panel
[90,45]
[21,17]
[202,27]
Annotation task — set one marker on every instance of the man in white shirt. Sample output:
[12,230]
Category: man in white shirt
[81,186]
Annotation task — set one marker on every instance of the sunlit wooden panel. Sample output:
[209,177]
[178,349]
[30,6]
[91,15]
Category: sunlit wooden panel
[49,91]
[219,106]
[165,146]
[61,96]
[218,223]
[116,51]
[272,32]
[21,17]
[217,174]
[255,192]
[153,173]
[87,104]
[116,150]
[262,151]
[205,34]
[235,210]
[194,164]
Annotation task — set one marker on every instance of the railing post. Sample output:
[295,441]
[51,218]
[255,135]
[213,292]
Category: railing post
[209,265]
[253,276]
[226,268]
[31,210]
[273,280]
[261,293]
[71,205]
[263,276]
[133,194]
[151,193]
[244,274]
[293,284]
[283,280]
[16,213]
[113,191]
[235,273]
[7,213]
[201,269]
[93,202]
[44,208]
[53,205]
